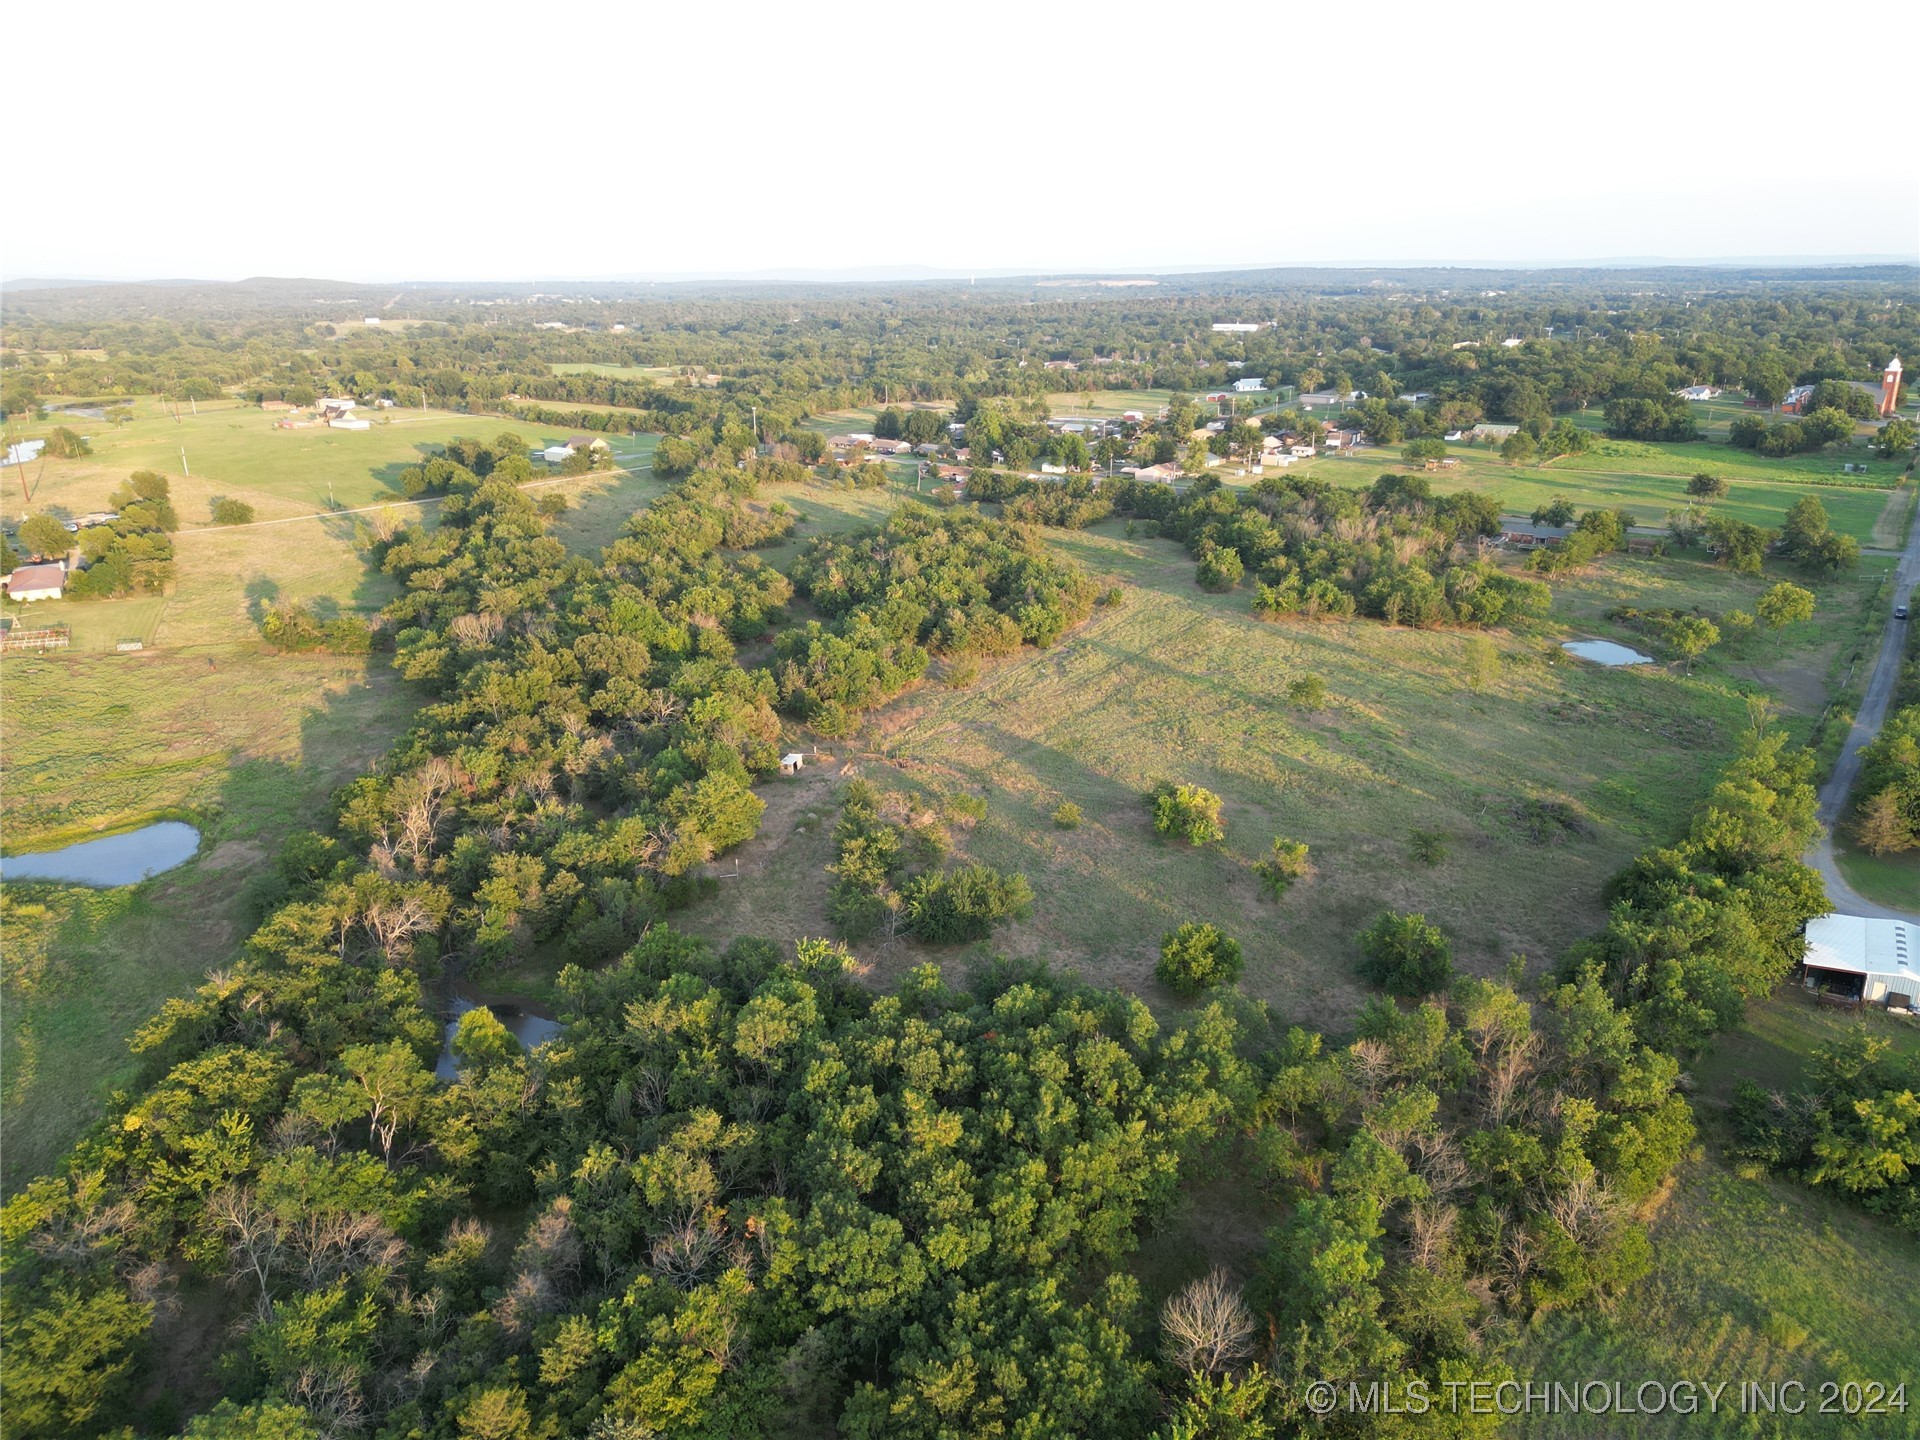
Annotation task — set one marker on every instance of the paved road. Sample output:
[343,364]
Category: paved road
[1866,724]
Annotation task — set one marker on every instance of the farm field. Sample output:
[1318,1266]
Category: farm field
[616,372]
[1754,1280]
[1648,480]
[859,420]
[235,450]
[1176,684]
[1107,404]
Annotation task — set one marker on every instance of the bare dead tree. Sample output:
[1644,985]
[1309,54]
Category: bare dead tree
[254,1240]
[1207,1327]
[1430,1234]
[395,920]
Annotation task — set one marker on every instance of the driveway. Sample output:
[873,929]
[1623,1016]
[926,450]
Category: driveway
[1866,724]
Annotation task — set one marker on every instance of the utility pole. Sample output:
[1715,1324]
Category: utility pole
[183,463]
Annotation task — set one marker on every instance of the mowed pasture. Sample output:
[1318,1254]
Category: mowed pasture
[859,420]
[237,450]
[1648,480]
[1542,780]
[1108,404]
[615,372]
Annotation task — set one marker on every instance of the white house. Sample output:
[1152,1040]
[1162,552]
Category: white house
[1235,328]
[1251,383]
[37,582]
[1877,959]
[1698,392]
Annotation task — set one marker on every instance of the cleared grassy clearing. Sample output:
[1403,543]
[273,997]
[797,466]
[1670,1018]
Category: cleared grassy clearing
[618,372]
[1107,404]
[1647,485]
[1177,684]
[860,419]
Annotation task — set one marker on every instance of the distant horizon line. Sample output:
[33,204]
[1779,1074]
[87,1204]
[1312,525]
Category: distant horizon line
[883,273]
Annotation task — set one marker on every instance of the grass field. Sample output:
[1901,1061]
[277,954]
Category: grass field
[1176,684]
[617,372]
[859,420]
[1107,404]
[1754,1280]
[236,450]
[1648,480]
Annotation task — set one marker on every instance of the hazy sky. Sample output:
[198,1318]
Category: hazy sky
[569,140]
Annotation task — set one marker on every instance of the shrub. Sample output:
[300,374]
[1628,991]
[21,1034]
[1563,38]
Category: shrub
[1189,812]
[1067,816]
[1220,568]
[1707,487]
[964,904]
[1406,955]
[1286,863]
[1197,957]
[1429,846]
[227,511]
[1309,692]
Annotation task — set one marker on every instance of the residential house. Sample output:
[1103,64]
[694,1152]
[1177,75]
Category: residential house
[37,582]
[1164,474]
[1250,384]
[587,442]
[1235,328]
[1525,535]
[1698,392]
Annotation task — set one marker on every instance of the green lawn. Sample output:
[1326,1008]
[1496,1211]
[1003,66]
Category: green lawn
[1886,879]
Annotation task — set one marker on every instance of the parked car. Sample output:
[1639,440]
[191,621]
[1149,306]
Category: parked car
[1899,612]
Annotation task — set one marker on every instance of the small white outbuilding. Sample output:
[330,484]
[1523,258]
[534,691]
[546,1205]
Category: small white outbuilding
[791,762]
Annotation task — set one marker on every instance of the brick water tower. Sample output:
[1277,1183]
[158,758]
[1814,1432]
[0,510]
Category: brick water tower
[1890,387]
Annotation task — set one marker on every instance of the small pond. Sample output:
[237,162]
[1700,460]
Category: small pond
[525,1024]
[115,860]
[1605,652]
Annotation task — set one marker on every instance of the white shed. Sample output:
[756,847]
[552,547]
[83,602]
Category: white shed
[557,454]
[1880,957]
[791,762]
